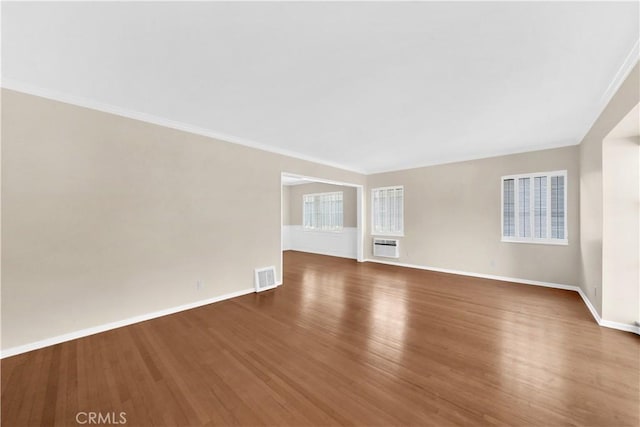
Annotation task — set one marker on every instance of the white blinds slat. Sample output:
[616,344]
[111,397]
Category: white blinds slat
[540,207]
[557,207]
[524,209]
[508,209]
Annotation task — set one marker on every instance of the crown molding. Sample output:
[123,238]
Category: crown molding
[623,72]
[460,159]
[625,68]
[632,58]
[78,101]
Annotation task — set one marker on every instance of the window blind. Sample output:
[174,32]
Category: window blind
[508,208]
[557,207]
[388,210]
[540,206]
[534,207]
[524,208]
[323,211]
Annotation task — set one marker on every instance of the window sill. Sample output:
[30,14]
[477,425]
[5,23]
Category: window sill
[317,230]
[387,235]
[557,242]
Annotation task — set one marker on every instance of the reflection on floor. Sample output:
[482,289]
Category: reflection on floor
[345,343]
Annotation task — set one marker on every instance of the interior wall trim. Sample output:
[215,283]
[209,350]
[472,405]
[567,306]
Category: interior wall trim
[479,275]
[79,101]
[13,351]
[343,244]
[118,324]
[618,79]
[605,323]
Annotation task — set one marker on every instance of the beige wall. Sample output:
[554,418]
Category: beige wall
[452,218]
[591,200]
[349,201]
[105,218]
[621,230]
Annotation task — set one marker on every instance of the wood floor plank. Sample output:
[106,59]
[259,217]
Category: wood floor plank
[342,343]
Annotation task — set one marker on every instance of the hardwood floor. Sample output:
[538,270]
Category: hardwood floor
[344,343]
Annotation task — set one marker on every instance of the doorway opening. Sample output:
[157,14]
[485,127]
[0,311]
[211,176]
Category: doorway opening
[312,226]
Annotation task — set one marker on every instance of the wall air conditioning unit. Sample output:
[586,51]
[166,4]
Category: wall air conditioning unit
[265,278]
[388,248]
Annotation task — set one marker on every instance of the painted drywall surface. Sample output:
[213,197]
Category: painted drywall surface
[341,244]
[621,230]
[591,199]
[105,218]
[452,217]
[348,198]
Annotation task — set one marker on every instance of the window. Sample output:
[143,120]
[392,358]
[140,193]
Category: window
[534,208]
[387,211]
[322,211]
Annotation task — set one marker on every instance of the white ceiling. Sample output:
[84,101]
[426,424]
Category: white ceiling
[367,86]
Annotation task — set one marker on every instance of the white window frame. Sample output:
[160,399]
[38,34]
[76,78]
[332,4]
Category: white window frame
[532,239]
[374,232]
[320,229]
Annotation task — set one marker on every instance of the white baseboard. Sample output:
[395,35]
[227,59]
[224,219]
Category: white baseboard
[607,323]
[594,312]
[118,324]
[620,326]
[141,318]
[590,306]
[480,275]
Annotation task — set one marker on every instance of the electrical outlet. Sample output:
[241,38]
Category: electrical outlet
[199,285]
